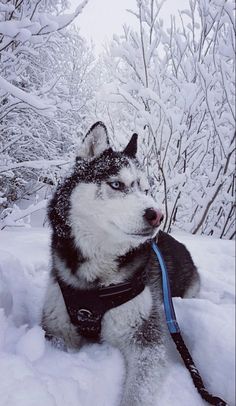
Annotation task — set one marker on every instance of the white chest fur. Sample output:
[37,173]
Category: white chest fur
[119,324]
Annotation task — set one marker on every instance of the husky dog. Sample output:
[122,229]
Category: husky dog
[105,282]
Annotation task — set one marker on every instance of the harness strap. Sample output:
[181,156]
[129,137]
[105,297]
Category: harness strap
[177,337]
[86,307]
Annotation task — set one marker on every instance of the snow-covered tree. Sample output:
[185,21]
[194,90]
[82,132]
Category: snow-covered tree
[45,74]
[175,87]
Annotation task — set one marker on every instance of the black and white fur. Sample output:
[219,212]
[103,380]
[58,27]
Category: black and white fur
[100,236]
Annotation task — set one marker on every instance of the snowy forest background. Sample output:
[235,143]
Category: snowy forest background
[174,86]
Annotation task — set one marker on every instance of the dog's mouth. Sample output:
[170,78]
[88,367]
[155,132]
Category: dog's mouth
[147,232]
[142,233]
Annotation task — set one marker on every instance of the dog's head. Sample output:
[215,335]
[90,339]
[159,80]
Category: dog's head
[110,206]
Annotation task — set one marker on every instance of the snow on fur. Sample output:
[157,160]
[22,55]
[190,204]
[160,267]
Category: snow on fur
[33,373]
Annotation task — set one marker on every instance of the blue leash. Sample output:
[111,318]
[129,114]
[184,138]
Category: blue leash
[175,332]
[168,303]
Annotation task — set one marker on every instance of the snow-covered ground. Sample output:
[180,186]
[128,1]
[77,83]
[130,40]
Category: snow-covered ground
[33,373]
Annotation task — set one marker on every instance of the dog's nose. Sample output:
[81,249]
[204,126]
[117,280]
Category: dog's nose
[154,217]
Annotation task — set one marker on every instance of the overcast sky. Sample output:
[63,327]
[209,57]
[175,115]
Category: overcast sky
[101,18]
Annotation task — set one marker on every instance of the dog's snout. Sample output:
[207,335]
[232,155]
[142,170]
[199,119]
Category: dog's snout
[154,217]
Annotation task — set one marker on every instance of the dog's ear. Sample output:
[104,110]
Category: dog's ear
[95,141]
[131,149]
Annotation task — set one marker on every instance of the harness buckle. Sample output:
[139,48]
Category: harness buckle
[84,315]
[89,323]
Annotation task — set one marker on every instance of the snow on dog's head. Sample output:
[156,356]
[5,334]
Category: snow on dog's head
[110,206]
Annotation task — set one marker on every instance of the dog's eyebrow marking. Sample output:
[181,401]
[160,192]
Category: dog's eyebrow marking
[143,183]
[128,175]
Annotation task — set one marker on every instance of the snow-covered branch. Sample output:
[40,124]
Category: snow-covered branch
[34,102]
[14,217]
[37,164]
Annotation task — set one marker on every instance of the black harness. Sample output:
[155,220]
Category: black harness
[87,307]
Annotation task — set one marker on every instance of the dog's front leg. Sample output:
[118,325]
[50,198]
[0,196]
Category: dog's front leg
[138,329]
[145,367]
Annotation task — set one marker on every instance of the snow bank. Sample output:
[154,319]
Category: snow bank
[33,373]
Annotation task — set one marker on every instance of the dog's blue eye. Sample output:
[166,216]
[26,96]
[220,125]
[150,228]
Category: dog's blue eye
[116,185]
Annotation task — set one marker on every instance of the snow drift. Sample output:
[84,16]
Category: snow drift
[33,373]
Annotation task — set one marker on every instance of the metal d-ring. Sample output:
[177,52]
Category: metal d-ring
[84,314]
